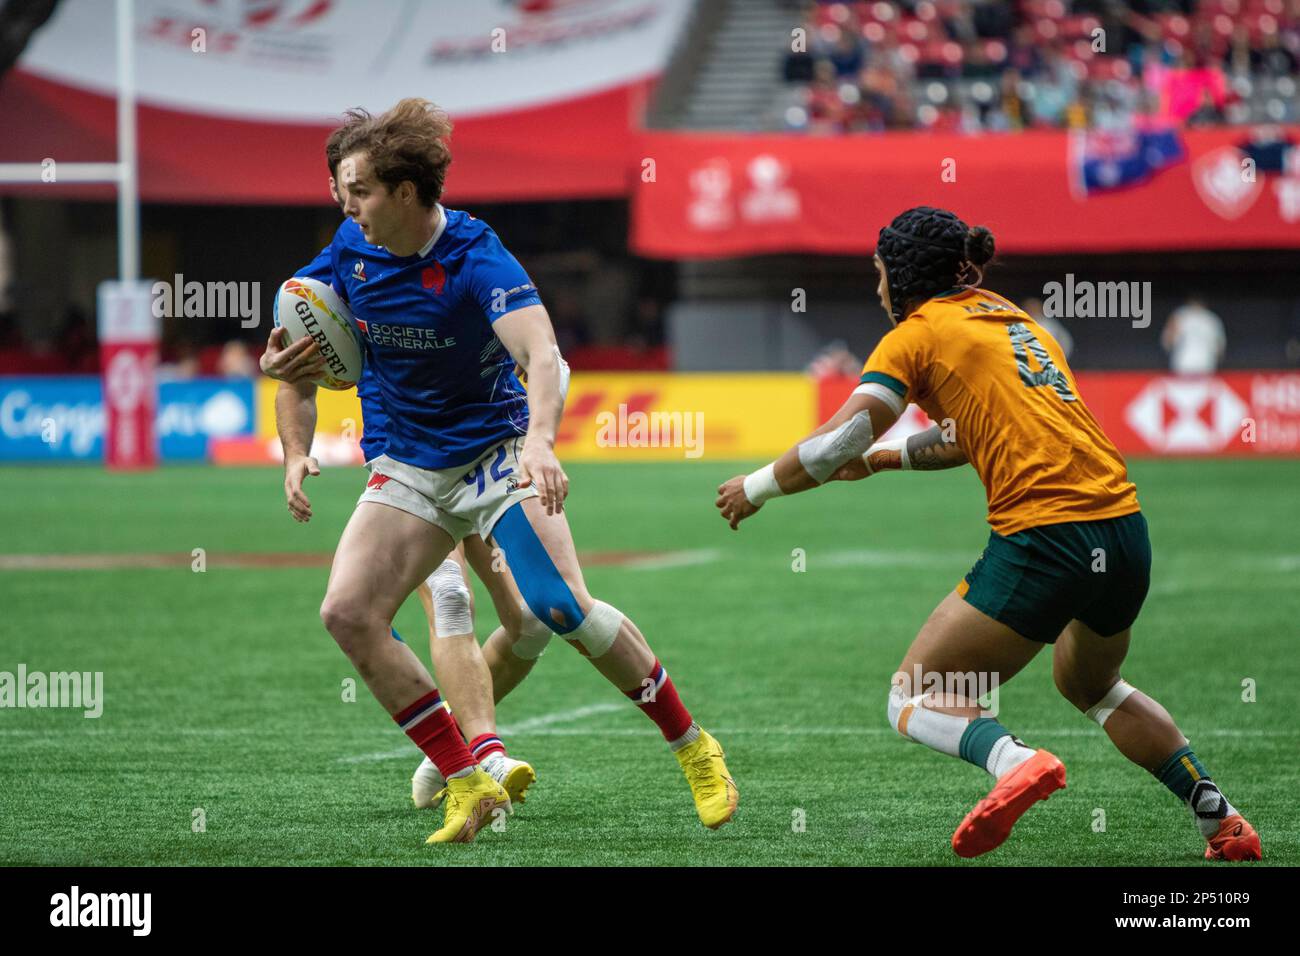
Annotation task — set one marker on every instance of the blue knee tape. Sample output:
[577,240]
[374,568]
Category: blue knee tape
[539,580]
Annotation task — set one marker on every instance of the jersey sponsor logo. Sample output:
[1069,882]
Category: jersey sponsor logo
[434,277]
[411,337]
[359,271]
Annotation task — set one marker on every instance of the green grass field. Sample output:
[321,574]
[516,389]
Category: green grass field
[223,690]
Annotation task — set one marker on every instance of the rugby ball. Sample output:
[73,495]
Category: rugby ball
[310,307]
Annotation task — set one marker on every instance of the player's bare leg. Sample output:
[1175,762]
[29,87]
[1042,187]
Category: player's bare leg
[513,649]
[381,557]
[540,552]
[457,660]
[454,651]
[1086,668]
[957,640]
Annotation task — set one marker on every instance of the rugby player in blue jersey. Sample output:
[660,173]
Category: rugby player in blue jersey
[446,313]
[511,650]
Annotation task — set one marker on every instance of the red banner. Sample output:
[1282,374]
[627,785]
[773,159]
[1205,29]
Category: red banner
[1236,414]
[128,349]
[716,195]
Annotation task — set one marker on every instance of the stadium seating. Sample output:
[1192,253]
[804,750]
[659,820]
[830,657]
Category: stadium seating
[1041,63]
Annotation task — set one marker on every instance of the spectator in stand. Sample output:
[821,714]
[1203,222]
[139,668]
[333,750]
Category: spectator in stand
[834,360]
[846,55]
[1194,339]
[237,361]
[1052,324]
[182,365]
[1196,86]
[827,111]
[77,341]
[1160,58]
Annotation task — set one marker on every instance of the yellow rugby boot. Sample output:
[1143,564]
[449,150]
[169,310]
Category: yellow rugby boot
[471,803]
[715,792]
[516,777]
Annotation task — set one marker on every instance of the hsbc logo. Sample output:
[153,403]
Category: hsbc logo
[1186,415]
[1220,179]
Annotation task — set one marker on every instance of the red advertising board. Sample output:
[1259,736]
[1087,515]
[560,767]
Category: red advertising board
[1238,414]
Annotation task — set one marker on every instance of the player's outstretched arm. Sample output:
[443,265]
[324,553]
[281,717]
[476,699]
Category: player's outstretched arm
[295,421]
[814,461]
[529,338]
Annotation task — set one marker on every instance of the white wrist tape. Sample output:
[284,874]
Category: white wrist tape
[762,485]
[894,444]
[822,454]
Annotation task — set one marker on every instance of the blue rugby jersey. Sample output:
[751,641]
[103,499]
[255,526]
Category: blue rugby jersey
[439,371]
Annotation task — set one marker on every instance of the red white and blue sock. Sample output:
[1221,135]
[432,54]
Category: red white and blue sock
[658,700]
[432,729]
[485,745]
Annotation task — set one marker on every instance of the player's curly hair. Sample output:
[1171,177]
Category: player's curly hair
[927,251]
[405,143]
[334,144]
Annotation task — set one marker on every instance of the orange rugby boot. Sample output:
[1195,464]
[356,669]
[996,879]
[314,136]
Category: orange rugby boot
[991,821]
[1236,840]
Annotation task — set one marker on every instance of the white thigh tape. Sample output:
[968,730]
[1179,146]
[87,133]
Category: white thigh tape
[598,629]
[452,616]
[533,636]
[1101,711]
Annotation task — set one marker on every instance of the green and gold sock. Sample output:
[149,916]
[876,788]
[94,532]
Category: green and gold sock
[1187,780]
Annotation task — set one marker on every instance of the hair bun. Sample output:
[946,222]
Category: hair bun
[979,245]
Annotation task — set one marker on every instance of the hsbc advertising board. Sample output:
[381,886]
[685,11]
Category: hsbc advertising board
[1234,413]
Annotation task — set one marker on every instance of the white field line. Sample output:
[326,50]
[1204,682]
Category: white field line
[532,725]
[674,559]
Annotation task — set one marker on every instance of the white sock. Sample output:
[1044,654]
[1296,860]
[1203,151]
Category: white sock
[494,763]
[463,773]
[1007,754]
[1209,807]
[692,734]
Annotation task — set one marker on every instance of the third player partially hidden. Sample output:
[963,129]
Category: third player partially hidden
[1058,496]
